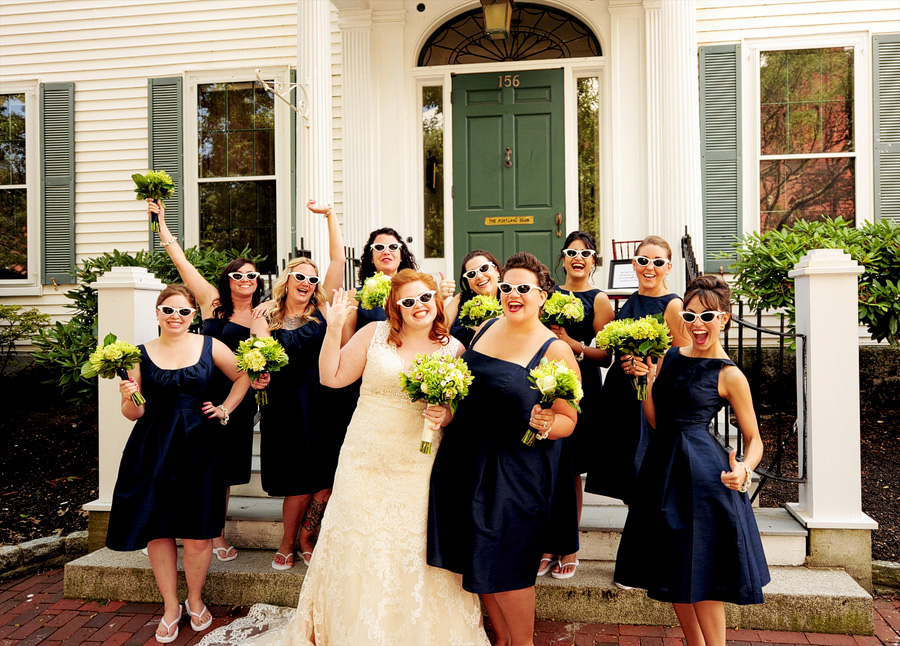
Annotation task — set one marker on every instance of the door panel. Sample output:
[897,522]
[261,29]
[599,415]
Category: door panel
[508,168]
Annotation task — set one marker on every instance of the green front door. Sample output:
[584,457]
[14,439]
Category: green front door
[508,166]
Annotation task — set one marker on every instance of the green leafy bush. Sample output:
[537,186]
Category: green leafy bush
[764,260]
[17,326]
[67,346]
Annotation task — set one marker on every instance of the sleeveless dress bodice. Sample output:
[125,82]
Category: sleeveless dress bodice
[689,538]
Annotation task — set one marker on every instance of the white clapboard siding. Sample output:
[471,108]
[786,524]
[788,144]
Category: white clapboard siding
[734,20]
[109,48]
[336,100]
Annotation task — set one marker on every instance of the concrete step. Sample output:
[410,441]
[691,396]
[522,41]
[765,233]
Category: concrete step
[798,598]
[256,523]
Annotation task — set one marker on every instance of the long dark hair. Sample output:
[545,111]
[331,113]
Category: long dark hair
[588,241]
[466,292]
[225,308]
[367,264]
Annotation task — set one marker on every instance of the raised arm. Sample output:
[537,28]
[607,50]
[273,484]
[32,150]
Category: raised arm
[339,367]
[203,291]
[451,309]
[334,277]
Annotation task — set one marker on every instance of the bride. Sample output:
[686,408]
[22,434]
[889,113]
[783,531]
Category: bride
[368,582]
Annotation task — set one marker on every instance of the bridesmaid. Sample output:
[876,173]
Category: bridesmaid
[615,472]
[691,538]
[226,310]
[479,275]
[299,407]
[168,485]
[492,497]
[578,259]
[385,251]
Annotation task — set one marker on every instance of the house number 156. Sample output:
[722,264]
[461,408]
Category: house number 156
[508,80]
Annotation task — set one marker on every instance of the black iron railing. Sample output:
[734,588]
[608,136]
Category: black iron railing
[788,419]
[350,268]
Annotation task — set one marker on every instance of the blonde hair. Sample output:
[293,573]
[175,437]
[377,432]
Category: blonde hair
[655,240]
[279,295]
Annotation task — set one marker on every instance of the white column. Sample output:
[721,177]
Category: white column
[126,300]
[628,145]
[359,127]
[679,182]
[315,157]
[826,298]
[654,113]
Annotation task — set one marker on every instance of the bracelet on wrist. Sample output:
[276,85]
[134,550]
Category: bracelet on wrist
[748,479]
[168,242]
[224,410]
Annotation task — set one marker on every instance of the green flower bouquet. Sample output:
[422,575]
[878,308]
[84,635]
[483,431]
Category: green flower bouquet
[113,358]
[257,355]
[374,291]
[479,309]
[645,337]
[554,380]
[561,308]
[437,379]
[156,185]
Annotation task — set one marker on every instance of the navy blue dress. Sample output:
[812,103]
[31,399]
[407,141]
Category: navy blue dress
[612,468]
[583,441]
[235,442]
[493,500]
[689,538]
[364,316]
[168,485]
[299,439]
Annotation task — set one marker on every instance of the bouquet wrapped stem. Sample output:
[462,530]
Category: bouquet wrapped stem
[136,397]
[438,379]
[554,380]
[531,434]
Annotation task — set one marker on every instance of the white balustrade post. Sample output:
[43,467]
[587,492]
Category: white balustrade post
[315,158]
[679,181]
[126,298]
[830,503]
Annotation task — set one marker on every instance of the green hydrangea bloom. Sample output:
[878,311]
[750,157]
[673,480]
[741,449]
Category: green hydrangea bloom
[561,308]
[479,309]
[374,292]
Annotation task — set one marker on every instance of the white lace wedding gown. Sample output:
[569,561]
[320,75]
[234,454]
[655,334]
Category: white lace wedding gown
[368,582]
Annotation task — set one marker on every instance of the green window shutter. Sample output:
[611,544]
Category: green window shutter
[57,183]
[167,147]
[720,150]
[886,55]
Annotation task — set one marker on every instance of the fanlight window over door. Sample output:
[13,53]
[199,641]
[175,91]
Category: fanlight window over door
[536,33]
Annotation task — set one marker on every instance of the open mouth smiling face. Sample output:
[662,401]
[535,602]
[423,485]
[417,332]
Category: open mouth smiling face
[486,275]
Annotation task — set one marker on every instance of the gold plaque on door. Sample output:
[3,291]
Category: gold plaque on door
[512,219]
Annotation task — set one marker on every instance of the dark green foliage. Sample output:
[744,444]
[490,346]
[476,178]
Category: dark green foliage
[65,347]
[17,325]
[764,260]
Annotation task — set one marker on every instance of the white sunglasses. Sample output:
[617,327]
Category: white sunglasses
[643,261]
[312,280]
[574,253]
[379,247]
[410,301]
[481,270]
[707,317]
[523,288]
[168,310]
[250,275]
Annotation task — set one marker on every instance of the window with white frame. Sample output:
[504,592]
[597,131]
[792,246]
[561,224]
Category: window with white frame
[433,153]
[236,168]
[807,147]
[15,264]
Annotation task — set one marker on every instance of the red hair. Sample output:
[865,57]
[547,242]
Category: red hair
[439,332]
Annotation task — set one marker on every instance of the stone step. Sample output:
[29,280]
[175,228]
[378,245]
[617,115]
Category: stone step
[798,598]
[256,523]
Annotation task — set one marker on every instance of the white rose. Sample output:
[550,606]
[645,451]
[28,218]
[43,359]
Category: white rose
[547,385]
[424,388]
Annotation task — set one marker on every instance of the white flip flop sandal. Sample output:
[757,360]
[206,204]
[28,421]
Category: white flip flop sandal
[169,638]
[206,624]
[566,575]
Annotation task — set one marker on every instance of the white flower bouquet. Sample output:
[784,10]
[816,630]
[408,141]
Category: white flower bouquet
[156,185]
[114,358]
[438,379]
[257,355]
[479,309]
[561,308]
[644,337]
[374,291]
[554,380]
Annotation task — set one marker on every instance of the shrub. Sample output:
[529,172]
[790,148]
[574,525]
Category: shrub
[19,325]
[66,346]
[764,260]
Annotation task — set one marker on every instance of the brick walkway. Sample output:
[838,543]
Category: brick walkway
[33,611]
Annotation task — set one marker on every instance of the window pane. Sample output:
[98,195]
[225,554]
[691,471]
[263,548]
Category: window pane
[13,234]
[236,130]
[433,144]
[807,189]
[12,138]
[806,101]
[588,155]
[235,214]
